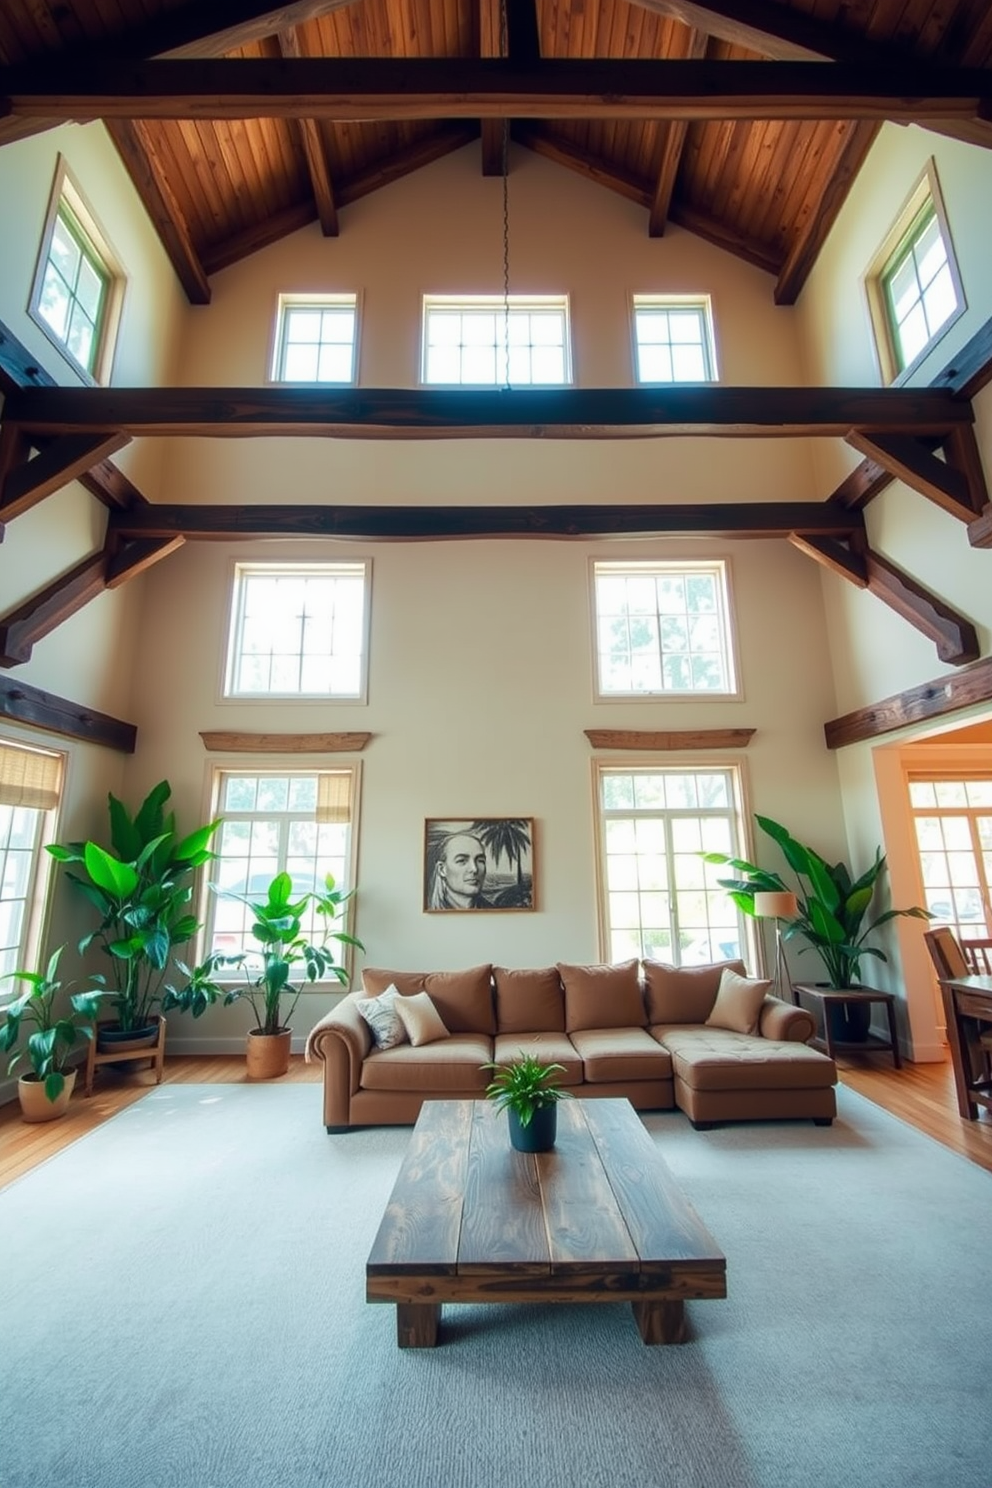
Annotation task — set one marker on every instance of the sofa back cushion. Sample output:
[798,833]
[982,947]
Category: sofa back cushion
[529,1001]
[602,996]
[683,994]
[376,981]
[464,999]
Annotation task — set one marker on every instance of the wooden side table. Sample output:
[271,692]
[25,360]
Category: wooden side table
[826,996]
[155,1053]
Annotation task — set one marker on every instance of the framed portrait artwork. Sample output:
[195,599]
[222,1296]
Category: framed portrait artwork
[478,863]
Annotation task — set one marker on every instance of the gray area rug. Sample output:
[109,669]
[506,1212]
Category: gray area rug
[184,1305]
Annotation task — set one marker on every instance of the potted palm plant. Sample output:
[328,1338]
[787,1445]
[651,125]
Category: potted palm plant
[141,887]
[283,952]
[59,1025]
[529,1090]
[832,908]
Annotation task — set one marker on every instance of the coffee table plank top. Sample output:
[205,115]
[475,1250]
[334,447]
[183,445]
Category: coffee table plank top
[422,1224]
[503,1220]
[585,1225]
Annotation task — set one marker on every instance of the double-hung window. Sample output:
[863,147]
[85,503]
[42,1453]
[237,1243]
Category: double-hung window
[300,822]
[316,339]
[486,341]
[673,339]
[30,791]
[298,630]
[658,898]
[663,628]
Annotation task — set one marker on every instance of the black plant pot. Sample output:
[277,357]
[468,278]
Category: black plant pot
[849,1021]
[111,1039]
[539,1133]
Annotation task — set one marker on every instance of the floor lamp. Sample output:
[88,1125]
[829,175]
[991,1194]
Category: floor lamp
[778,905]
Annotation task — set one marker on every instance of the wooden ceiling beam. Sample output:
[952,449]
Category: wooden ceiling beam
[911,461]
[39,615]
[834,555]
[813,232]
[693,47]
[935,699]
[198,30]
[426,523]
[491,44]
[571,413]
[151,182]
[57,715]
[314,153]
[134,557]
[62,460]
[372,89]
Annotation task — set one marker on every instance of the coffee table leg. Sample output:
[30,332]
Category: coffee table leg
[661,1322]
[416,1324]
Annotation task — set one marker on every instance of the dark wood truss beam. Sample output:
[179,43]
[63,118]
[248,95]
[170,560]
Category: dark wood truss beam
[574,413]
[911,461]
[312,142]
[936,699]
[131,558]
[197,30]
[151,182]
[41,613]
[814,231]
[62,460]
[434,523]
[953,634]
[361,90]
[55,715]
[111,486]
[694,49]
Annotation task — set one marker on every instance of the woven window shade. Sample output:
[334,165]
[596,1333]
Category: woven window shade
[334,796]
[29,778]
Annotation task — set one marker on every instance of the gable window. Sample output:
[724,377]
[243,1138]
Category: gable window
[299,822]
[484,342]
[79,285]
[913,286]
[30,790]
[298,630]
[663,628]
[657,897]
[673,339]
[315,339]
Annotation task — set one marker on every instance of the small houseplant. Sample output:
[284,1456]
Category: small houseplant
[141,888]
[832,909]
[283,951]
[529,1090]
[59,1025]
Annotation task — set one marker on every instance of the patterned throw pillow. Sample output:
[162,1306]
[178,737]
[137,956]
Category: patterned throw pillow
[383,1019]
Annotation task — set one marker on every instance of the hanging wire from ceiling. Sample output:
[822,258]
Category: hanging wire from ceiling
[504,52]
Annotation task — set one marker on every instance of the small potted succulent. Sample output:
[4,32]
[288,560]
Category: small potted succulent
[44,1093]
[528,1090]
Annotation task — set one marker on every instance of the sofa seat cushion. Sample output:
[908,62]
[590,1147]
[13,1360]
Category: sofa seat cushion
[450,1064]
[610,1054]
[716,1059]
[552,1048]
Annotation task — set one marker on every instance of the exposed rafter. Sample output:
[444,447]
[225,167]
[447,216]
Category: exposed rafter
[311,140]
[64,459]
[910,460]
[694,49]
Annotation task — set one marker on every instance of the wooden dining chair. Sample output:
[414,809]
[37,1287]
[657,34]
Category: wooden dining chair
[946,954]
[978,954]
[953,958]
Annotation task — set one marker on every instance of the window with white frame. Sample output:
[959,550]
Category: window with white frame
[78,288]
[663,628]
[300,822]
[913,285]
[658,898]
[484,341]
[30,791]
[315,339]
[298,630]
[673,339]
[952,818]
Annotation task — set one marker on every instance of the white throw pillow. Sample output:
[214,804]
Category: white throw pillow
[381,1016]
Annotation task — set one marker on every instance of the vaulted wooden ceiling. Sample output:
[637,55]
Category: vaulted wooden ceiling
[672,104]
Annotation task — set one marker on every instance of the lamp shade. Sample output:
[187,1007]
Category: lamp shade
[775,905]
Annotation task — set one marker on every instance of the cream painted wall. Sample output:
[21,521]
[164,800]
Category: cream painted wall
[480,688]
[440,231]
[874,654]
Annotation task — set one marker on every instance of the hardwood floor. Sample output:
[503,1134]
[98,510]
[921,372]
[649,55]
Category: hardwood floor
[921,1094]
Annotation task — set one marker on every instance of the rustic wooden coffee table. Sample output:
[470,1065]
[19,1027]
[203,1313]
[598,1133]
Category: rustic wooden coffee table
[599,1219]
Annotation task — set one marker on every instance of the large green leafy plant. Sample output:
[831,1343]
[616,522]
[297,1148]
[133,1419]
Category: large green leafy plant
[59,1024]
[141,888]
[525,1084]
[282,950]
[832,906]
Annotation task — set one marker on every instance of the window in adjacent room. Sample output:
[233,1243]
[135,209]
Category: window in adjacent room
[316,339]
[952,818]
[78,288]
[300,822]
[913,285]
[673,339]
[657,897]
[30,791]
[299,630]
[476,342]
[663,628]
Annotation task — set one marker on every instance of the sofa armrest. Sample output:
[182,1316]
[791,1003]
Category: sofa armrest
[780,1020]
[341,1041]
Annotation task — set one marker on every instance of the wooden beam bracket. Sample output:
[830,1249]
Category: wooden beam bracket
[936,699]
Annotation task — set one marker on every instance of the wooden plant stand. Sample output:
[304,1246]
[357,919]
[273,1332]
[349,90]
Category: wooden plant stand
[154,1053]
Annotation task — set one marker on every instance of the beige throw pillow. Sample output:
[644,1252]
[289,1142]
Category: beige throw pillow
[738,1003]
[421,1019]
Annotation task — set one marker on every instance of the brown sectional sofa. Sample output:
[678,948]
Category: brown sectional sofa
[636,1029]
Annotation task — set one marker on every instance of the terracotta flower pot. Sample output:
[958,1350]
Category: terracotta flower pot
[268,1054]
[35,1105]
